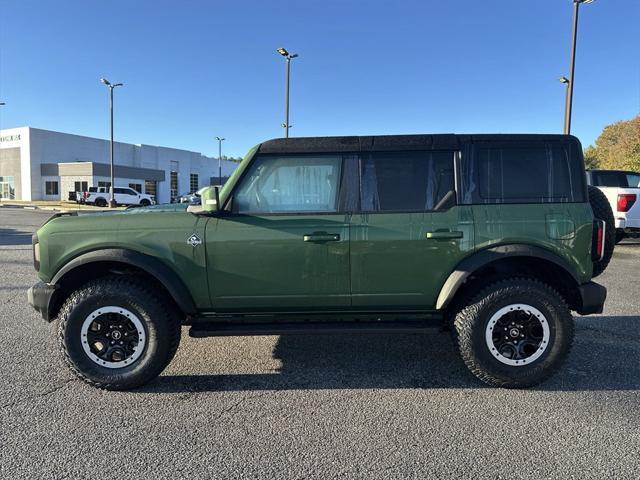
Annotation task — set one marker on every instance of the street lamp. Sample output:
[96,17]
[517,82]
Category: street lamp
[569,81]
[288,57]
[112,202]
[220,140]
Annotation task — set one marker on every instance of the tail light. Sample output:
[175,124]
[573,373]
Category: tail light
[626,201]
[85,195]
[597,251]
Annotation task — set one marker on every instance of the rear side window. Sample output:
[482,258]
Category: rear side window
[633,180]
[609,179]
[513,173]
[405,181]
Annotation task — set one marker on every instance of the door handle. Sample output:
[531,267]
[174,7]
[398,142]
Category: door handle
[444,235]
[321,237]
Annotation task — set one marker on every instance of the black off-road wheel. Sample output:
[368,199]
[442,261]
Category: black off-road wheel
[602,211]
[144,202]
[101,202]
[515,333]
[116,334]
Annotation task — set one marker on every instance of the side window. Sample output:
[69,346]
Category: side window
[609,179]
[290,184]
[121,190]
[405,181]
[542,173]
[633,180]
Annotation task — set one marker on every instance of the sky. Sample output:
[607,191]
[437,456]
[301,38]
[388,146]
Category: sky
[194,70]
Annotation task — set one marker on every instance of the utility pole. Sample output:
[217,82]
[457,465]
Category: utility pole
[112,202]
[220,140]
[568,104]
[288,57]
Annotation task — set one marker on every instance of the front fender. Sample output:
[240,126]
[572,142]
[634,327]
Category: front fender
[151,265]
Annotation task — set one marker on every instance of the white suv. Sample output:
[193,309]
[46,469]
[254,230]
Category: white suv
[123,196]
[622,189]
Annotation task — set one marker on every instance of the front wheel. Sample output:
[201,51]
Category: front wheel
[144,202]
[116,334]
[514,334]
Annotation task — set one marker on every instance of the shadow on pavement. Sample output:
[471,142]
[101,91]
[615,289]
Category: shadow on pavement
[600,360]
[11,236]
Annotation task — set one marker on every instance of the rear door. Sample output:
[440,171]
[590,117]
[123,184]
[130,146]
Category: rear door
[284,243]
[409,233]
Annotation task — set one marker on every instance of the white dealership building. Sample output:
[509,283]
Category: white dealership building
[40,164]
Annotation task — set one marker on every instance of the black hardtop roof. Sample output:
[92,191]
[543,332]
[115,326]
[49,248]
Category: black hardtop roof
[441,141]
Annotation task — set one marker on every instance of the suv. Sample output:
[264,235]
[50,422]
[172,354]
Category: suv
[492,236]
[621,189]
[99,196]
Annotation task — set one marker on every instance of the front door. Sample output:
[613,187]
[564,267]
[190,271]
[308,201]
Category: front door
[409,233]
[282,242]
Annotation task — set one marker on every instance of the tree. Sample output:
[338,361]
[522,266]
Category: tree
[617,147]
[591,157]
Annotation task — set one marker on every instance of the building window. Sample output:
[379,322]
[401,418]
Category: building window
[174,185]
[104,184]
[193,182]
[7,188]
[150,187]
[173,179]
[51,188]
[136,186]
[80,186]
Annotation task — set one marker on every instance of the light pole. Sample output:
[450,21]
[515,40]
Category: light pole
[288,57]
[568,105]
[220,140]
[112,202]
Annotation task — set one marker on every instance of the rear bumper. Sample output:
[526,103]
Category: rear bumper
[627,223]
[592,297]
[39,297]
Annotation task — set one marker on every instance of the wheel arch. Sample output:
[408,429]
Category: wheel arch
[120,261]
[497,262]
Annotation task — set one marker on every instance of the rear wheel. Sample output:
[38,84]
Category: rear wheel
[516,333]
[116,334]
[100,202]
[602,211]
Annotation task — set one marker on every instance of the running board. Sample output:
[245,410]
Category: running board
[201,329]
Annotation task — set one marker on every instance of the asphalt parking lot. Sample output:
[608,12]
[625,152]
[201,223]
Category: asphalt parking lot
[350,406]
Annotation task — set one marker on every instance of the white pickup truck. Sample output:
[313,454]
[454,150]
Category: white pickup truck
[99,196]
[622,189]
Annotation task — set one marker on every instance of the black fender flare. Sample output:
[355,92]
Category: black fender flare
[477,260]
[151,265]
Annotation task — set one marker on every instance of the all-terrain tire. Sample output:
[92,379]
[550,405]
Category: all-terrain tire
[602,211]
[100,202]
[144,202]
[161,328]
[472,320]
[620,235]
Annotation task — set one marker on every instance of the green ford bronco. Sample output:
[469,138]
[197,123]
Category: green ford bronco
[495,237]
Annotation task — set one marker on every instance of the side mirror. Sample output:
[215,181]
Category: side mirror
[211,199]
